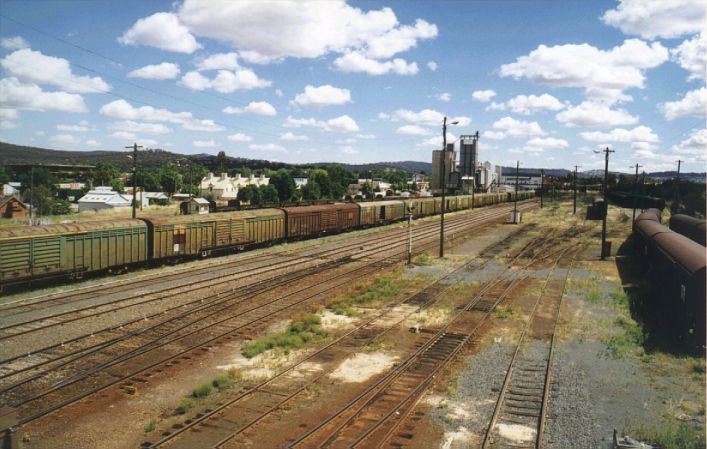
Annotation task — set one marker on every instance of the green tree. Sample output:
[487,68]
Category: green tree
[4,177]
[311,190]
[150,180]
[61,207]
[339,180]
[296,196]
[269,195]
[104,174]
[367,190]
[42,199]
[283,183]
[250,194]
[221,161]
[321,179]
[170,179]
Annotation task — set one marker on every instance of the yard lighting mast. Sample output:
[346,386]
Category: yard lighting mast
[635,188]
[444,184]
[606,152]
[515,197]
[574,208]
[134,146]
[542,186]
[677,186]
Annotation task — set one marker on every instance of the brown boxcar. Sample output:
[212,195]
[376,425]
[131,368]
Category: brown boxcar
[71,249]
[374,213]
[310,221]
[191,235]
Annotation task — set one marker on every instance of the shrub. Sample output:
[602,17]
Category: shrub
[184,406]
[152,425]
[202,391]
[298,333]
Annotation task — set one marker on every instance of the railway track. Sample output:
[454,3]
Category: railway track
[518,418]
[48,399]
[372,417]
[262,400]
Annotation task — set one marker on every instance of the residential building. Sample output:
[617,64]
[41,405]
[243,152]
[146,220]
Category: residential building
[11,188]
[300,182]
[104,197]
[11,207]
[225,188]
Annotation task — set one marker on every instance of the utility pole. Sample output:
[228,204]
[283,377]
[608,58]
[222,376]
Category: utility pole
[31,195]
[410,209]
[515,197]
[134,146]
[542,186]
[677,187]
[635,187]
[606,204]
[444,185]
[575,188]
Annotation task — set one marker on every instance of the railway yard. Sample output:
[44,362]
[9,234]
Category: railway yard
[520,337]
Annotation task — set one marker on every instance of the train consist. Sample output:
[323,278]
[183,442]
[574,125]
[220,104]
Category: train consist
[629,200]
[677,264]
[29,253]
[691,227]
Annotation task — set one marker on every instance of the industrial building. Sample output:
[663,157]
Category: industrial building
[224,188]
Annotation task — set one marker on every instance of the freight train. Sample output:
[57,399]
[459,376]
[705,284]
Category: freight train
[629,200]
[691,227]
[29,253]
[676,265]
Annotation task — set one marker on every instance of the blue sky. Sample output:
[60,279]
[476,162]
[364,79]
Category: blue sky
[545,83]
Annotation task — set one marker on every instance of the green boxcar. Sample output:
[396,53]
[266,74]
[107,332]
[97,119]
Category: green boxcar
[72,249]
[193,235]
[378,212]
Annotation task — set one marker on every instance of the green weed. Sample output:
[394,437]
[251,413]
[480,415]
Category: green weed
[593,296]
[184,406]
[298,333]
[680,436]
[629,338]
[152,425]
[226,380]
[504,311]
[202,391]
[423,259]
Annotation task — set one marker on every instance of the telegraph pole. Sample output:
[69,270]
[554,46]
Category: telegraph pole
[542,186]
[575,188]
[444,184]
[606,152]
[635,188]
[677,187]
[134,146]
[515,197]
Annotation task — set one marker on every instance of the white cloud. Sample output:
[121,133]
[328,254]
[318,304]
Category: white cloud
[444,96]
[594,115]
[142,128]
[510,127]
[428,117]
[331,26]
[349,150]
[528,104]
[637,134]
[8,125]
[435,143]
[82,127]
[123,135]
[657,18]
[16,95]
[8,114]
[225,81]
[253,57]
[547,143]
[278,92]
[64,138]
[93,143]
[356,62]
[121,109]
[163,71]
[13,43]
[413,130]
[432,66]
[254,107]
[602,73]
[483,96]
[322,96]
[695,145]
[34,67]
[218,61]
[343,123]
[161,30]
[399,39]
[693,104]
[365,136]
[204,143]
[239,137]
[268,147]
[691,56]
[293,137]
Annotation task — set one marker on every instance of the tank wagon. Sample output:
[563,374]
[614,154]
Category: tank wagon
[29,253]
[71,250]
[677,266]
[626,199]
[691,227]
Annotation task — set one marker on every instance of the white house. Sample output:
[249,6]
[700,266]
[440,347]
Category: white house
[103,197]
[300,182]
[225,188]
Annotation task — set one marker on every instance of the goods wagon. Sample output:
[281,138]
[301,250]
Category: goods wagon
[626,199]
[464,202]
[200,235]
[72,249]
[381,212]
[420,206]
[691,227]
[309,221]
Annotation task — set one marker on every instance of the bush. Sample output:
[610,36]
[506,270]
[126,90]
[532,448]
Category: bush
[226,380]
[298,333]
[184,406]
[682,436]
[202,391]
[152,425]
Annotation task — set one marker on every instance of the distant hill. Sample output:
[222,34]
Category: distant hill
[19,154]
